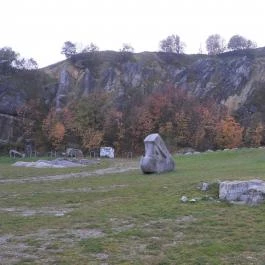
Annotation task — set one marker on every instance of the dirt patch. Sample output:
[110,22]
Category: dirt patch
[118,168]
[89,189]
[44,245]
[34,248]
[86,233]
[186,219]
[42,211]
[101,256]
[119,225]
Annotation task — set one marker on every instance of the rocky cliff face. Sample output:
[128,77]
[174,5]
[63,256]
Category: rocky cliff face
[17,88]
[232,78]
[235,79]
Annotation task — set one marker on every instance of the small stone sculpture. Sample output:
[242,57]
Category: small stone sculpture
[157,158]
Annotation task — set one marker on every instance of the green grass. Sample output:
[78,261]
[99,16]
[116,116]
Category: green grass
[131,218]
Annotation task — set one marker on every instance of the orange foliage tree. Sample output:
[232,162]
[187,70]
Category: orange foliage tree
[91,138]
[229,133]
[179,118]
[54,129]
[57,134]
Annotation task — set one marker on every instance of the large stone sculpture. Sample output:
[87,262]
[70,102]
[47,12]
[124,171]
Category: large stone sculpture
[157,158]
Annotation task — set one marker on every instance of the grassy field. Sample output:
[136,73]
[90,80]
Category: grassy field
[101,215]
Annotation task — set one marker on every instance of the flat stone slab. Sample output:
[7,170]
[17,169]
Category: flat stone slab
[49,164]
[250,191]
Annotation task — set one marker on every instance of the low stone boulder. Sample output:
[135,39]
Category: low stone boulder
[250,192]
[74,153]
[57,163]
[157,158]
[14,153]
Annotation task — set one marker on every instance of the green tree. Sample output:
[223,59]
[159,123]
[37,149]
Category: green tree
[28,64]
[90,48]
[215,44]
[8,59]
[89,115]
[68,49]
[172,44]
[238,42]
[125,54]
[114,129]
[126,48]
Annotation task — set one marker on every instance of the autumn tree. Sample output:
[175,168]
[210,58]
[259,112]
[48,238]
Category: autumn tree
[229,133]
[54,129]
[209,115]
[172,44]
[114,129]
[254,134]
[31,115]
[89,118]
[143,123]
[177,116]
[258,135]
[215,44]
[57,134]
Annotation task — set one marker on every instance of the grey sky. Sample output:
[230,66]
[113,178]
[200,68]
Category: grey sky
[38,28]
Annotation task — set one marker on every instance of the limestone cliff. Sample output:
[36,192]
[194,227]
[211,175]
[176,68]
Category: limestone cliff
[232,78]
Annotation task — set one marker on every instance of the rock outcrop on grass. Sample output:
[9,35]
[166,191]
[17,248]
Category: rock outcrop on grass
[57,163]
[250,192]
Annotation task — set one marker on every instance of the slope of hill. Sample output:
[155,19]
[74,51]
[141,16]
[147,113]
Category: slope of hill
[234,79]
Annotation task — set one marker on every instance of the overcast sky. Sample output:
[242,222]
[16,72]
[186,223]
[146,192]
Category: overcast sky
[39,28]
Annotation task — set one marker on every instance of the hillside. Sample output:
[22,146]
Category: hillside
[233,79]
